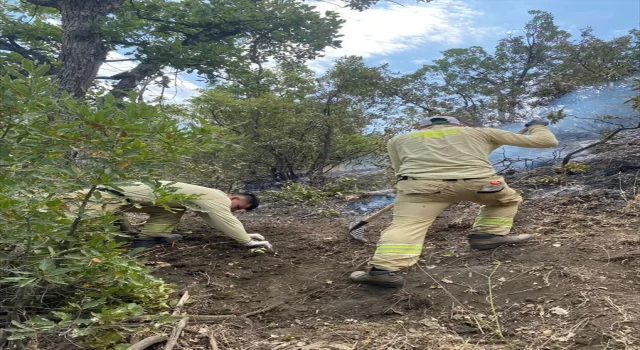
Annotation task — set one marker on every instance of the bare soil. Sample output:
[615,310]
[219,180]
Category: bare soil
[577,286]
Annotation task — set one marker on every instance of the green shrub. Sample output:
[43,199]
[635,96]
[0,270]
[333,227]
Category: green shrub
[63,272]
[296,192]
[299,193]
[341,186]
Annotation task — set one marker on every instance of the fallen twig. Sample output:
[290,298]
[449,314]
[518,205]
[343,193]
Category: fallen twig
[269,308]
[180,304]
[147,342]
[212,341]
[175,334]
[204,318]
[169,318]
[621,256]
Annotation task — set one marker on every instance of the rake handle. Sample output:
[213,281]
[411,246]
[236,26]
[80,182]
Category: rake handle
[371,217]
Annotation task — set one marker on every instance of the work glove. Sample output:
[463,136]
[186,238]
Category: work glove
[537,121]
[258,244]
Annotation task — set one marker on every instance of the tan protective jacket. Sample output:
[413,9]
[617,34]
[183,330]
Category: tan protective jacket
[457,152]
[214,204]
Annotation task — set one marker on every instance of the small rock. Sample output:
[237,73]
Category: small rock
[559,311]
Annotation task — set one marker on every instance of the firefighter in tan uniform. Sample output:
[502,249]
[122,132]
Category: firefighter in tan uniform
[213,206]
[442,163]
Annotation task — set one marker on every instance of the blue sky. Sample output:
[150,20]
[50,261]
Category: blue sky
[407,35]
[466,23]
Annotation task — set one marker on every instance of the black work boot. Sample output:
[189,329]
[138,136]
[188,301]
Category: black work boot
[481,241]
[148,242]
[378,277]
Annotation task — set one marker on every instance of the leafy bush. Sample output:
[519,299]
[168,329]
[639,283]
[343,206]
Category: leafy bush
[341,186]
[299,193]
[63,271]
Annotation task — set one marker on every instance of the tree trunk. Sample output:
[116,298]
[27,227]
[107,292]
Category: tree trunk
[131,79]
[83,50]
[316,171]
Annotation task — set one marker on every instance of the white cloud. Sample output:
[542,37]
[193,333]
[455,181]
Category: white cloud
[420,61]
[392,28]
[53,21]
[111,68]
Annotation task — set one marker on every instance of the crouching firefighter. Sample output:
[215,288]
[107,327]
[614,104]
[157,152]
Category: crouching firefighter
[213,206]
[442,163]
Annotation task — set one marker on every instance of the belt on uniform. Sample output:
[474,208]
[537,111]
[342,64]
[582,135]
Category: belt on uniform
[452,180]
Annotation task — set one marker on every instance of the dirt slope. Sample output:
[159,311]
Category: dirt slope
[576,287]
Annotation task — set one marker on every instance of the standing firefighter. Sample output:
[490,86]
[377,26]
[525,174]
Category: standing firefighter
[213,206]
[442,163]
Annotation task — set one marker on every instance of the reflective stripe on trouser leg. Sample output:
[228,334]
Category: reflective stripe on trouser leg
[496,219]
[492,225]
[401,243]
[161,222]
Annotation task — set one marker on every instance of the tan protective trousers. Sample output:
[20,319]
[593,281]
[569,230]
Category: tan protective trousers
[419,202]
[161,222]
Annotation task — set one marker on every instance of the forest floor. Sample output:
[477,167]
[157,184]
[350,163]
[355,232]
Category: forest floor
[576,286]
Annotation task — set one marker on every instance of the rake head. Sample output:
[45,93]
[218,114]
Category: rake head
[358,233]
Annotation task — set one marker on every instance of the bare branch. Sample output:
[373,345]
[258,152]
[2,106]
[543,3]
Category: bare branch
[567,158]
[122,60]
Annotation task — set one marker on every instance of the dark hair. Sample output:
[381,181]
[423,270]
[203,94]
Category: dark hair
[251,199]
[437,121]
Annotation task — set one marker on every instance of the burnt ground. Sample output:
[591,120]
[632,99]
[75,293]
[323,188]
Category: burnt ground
[577,286]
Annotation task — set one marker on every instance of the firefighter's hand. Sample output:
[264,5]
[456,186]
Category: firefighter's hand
[259,246]
[537,121]
[256,236]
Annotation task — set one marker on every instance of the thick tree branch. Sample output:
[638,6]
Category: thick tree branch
[129,80]
[128,43]
[48,3]
[8,43]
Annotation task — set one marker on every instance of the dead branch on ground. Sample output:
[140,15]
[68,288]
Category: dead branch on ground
[147,342]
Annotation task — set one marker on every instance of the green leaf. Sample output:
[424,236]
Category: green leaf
[28,282]
[4,151]
[17,336]
[41,71]
[28,66]
[46,265]
[92,304]
[20,325]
